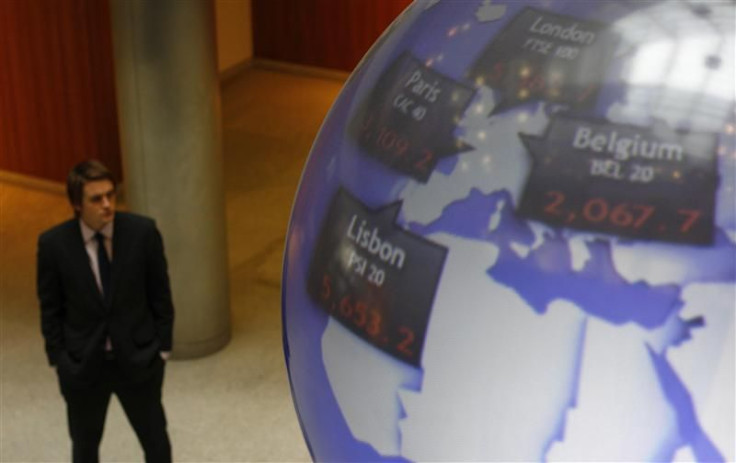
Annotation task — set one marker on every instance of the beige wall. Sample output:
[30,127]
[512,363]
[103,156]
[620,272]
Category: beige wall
[234,33]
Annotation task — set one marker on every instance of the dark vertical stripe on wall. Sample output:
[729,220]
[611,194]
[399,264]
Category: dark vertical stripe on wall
[331,34]
[57,93]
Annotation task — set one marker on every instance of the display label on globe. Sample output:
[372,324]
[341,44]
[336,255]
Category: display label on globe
[546,56]
[374,277]
[408,120]
[649,183]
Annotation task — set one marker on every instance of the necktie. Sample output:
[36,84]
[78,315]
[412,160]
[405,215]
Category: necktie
[103,263]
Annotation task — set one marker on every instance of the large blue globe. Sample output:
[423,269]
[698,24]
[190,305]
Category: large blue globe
[515,239]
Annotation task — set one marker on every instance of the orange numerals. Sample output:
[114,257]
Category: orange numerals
[373,328]
[691,217]
[622,215]
[389,140]
[393,143]
[553,208]
[598,210]
[383,137]
[529,80]
[407,341]
[359,314]
[534,83]
[424,162]
[346,308]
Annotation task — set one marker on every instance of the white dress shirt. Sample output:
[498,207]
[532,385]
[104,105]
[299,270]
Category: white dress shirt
[90,244]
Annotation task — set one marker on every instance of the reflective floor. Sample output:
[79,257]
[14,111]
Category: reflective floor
[235,405]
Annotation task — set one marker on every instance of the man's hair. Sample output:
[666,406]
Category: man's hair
[81,174]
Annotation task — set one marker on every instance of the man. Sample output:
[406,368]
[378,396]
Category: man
[106,314]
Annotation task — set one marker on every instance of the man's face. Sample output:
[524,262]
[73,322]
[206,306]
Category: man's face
[98,203]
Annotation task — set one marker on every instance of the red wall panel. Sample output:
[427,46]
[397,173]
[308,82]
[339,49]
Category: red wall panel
[324,33]
[57,94]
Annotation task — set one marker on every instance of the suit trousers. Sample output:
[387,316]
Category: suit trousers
[87,407]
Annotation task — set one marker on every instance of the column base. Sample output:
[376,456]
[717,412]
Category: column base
[192,350]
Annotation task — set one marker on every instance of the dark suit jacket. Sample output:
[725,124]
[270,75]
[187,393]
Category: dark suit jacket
[75,320]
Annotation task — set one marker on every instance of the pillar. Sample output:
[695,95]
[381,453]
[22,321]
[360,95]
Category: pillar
[170,133]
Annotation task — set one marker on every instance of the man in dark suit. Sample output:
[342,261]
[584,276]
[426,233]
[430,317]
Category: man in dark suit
[106,314]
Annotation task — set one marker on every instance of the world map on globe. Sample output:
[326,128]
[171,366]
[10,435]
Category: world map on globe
[515,239]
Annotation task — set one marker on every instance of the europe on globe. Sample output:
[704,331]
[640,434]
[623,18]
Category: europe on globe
[515,239]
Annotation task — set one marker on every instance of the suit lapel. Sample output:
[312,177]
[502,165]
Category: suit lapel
[120,247]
